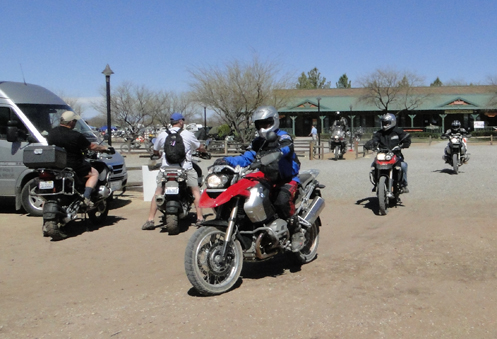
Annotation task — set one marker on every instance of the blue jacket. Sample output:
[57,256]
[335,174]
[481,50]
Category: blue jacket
[288,164]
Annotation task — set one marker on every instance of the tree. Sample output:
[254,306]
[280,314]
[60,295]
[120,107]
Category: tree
[392,90]
[344,82]
[135,107]
[234,90]
[312,80]
[492,81]
[76,106]
[436,83]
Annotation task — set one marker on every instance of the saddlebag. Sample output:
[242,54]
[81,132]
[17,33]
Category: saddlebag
[41,156]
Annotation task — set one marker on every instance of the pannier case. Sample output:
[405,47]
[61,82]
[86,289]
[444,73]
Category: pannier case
[41,156]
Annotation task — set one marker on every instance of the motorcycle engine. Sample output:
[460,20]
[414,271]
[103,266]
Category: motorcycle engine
[279,229]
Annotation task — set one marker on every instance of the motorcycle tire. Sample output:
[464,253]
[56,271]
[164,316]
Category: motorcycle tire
[98,214]
[172,224]
[382,196]
[204,268]
[125,148]
[310,250]
[455,163]
[32,204]
[52,230]
[337,152]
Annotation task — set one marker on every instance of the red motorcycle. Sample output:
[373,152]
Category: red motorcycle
[246,227]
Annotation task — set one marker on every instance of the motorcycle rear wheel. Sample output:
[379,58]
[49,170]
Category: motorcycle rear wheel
[172,224]
[205,268]
[99,213]
[382,196]
[125,148]
[311,243]
[455,163]
[52,230]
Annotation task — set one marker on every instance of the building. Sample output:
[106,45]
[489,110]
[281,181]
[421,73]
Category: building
[437,108]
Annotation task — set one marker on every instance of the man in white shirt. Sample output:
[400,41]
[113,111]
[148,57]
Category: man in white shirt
[191,144]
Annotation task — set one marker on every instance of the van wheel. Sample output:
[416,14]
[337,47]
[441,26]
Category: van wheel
[32,204]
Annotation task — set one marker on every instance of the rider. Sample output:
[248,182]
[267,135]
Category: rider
[390,136]
[266,120]
[191,144]
[340,121]
[75,144]
[456,129]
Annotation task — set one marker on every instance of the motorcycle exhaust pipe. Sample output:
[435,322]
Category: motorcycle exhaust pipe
[313,212]
[159,199]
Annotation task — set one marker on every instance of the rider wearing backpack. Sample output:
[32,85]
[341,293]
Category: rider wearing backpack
[177,146]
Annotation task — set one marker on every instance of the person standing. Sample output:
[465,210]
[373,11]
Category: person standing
[314,133]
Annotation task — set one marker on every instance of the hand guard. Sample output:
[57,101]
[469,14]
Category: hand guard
[111,150]
[220,161]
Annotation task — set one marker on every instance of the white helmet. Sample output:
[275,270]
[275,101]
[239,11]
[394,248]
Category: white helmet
[266,119]
[388,121]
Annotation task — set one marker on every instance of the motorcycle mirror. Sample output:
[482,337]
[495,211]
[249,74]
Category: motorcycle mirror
[272,136]
[269,158]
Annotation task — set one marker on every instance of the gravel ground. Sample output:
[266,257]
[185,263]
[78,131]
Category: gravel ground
[426,270]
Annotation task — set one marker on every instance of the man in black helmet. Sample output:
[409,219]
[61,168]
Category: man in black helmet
[456,129]
[394,138]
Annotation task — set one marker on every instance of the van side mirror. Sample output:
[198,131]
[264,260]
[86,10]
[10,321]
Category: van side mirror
[12,131]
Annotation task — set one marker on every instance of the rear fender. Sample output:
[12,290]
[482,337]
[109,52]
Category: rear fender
[51,210]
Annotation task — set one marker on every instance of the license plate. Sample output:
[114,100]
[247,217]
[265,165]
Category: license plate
[172,190]
[116,185]
[45,185]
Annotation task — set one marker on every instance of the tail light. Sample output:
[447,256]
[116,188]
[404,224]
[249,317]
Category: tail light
[44,175]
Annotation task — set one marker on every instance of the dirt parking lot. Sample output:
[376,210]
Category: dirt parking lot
[426,270]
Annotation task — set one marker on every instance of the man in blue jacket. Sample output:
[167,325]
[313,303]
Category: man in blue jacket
[284,176]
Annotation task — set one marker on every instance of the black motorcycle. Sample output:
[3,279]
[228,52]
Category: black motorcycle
[62,190]
[176,201]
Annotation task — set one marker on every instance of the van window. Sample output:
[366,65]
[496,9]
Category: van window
[46,117]
[6,115]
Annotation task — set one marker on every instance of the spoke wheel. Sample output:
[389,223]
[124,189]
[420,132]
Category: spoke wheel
[311,243]
[207,270]
[382,195]
[125,148]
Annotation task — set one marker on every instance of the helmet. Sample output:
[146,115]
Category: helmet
[266,119]
[456,124]
[388,121]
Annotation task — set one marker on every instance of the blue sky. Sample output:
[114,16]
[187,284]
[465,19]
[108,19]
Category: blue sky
[64,45]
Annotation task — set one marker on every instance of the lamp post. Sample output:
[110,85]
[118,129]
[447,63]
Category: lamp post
[205,120]
[319,130]
[107,72]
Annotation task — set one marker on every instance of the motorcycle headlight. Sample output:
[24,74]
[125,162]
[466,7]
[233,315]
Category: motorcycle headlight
[388,157]
[216,181]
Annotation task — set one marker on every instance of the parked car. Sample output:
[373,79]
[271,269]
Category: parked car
[34,111]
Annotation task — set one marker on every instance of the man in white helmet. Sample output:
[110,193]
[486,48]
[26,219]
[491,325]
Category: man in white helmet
[266,120]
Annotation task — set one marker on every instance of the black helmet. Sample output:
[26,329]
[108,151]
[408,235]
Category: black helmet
[388,121]
[456,124]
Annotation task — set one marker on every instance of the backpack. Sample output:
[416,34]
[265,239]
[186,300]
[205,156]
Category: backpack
[174,147]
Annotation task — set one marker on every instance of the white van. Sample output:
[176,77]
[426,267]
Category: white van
[27,113]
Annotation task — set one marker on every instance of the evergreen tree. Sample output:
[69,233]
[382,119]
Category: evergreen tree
[312,80]
[343,82]
[436,83]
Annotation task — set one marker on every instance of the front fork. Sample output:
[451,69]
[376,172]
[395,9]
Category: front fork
[231,227]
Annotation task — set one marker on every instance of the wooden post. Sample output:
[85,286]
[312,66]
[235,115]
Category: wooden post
[225,146]
[356,147]
[311,150]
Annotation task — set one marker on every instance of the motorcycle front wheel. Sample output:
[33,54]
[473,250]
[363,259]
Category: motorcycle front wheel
[310,249]
[206,269]
[125,148]
[337,152]
[382,195]
[455,163]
